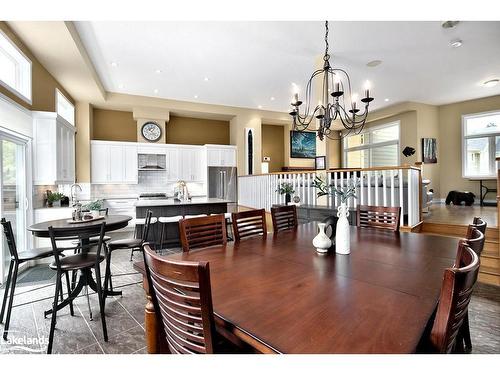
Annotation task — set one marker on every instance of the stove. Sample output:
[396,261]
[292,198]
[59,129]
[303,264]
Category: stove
[153,196]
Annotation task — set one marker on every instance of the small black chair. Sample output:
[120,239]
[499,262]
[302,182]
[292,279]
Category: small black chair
[134,244]
[16,259]
[84,262]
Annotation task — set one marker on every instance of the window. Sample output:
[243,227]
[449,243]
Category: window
[64,108]
[481,144]
[15,69]
[375,147]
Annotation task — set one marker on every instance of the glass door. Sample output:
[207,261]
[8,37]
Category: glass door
[13,193]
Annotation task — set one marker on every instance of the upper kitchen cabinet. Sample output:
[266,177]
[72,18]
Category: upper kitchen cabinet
[191,163]
[114,162]
[53,149]
[221,156]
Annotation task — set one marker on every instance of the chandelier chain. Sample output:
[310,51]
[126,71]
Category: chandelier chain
[326,39]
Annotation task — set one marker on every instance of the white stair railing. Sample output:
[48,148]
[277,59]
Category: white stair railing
[387,186]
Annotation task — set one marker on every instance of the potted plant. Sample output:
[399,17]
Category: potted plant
[287,189]
[342,240]
[53,197]
[94,207]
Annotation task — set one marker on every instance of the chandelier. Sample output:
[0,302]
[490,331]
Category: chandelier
[335,93]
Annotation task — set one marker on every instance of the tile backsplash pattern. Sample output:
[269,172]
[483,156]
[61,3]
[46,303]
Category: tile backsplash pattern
[149,182]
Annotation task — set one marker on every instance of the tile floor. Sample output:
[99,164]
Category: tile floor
[125,318]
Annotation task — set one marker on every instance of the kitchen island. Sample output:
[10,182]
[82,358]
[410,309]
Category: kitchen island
[170,207]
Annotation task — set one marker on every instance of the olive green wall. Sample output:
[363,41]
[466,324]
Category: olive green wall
[273,145]
[195,131]
[43,95]
[111,125]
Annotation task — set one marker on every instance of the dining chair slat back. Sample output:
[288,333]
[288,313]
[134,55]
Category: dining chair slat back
[203,231]
[284,217]
[249,223]
[181,293]
[480,224]
[475,239]
[456,292]
[378,217]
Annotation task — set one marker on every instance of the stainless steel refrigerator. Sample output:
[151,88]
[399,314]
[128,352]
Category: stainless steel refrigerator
[222,183]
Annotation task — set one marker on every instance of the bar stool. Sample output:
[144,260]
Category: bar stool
[16,259]
[193,216]
[140,223]
[229,225]
[164,220]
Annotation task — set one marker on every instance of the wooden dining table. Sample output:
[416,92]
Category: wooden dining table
[278,295]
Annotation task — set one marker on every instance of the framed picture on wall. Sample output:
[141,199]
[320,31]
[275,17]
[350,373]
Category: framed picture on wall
[429,150]
[302,144]
[320,162]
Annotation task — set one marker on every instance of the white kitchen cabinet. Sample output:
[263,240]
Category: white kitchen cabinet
[221,156]
[53,149]
[173,164]
[191,163]
[113,163]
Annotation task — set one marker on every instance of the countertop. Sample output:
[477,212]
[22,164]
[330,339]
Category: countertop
[171,202]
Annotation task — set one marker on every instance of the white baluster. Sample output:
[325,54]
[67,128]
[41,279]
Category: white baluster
[401,187]
[410,201]
[369,187]
[361,188]
[375,183]
[384,187]
[392,188]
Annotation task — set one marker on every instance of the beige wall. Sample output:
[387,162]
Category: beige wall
[84,117]
[273,145]
[195,131]
[450,139]
[43,83]
[114,126]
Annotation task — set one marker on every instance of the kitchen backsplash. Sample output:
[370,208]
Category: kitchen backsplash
[149,182]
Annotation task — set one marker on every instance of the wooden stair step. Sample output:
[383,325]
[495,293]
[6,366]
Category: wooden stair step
[490,270]
[489,278]
[490,263]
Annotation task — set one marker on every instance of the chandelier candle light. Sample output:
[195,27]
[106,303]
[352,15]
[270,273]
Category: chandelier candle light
[332,106]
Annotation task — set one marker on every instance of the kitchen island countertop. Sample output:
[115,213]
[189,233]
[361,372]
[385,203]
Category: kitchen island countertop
[171,202]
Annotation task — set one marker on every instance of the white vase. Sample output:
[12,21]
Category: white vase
[322,242]
[342,238]
[94,213]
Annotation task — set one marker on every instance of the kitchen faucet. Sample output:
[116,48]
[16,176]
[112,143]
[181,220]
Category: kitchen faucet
[73,193]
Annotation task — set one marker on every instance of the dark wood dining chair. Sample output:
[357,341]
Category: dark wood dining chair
[203,231]
[379,217]
[249,223]
[16,259]
[475,240]
[284,217]
[456,292]
[83,262]
[480,224]
[182,297]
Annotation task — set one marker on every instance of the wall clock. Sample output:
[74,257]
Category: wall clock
[151,131]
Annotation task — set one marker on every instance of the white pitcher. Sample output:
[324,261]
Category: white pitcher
[322,242]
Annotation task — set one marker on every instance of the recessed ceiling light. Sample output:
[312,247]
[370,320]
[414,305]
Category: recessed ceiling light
[158,71]
[272,98]
[260,107]
[374,63]
[206,79]
[386,99]
[449,24]
[196,96]
[120,86]
[491,83]
[114,64]
[455,43]
[156,91]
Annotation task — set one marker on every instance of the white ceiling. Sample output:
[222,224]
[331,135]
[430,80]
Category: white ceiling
[247,63]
